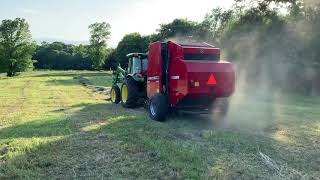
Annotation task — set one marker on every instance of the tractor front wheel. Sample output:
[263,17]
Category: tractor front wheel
[129,93]
[158,107]
[115,94]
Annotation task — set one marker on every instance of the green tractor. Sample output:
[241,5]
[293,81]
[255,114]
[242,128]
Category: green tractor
[129,87]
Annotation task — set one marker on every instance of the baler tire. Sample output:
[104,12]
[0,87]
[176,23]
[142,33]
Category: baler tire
[117,98]
[132,93]
[158,107]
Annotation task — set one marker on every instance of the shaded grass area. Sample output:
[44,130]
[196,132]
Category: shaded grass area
[50,126]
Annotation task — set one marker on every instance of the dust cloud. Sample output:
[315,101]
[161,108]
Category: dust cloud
[268,74]
[311,3]
[265,76]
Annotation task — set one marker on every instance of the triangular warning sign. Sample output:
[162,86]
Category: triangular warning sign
[212,80]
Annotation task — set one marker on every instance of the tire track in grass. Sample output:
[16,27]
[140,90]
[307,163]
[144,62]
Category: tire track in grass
[61,97]
[96,89]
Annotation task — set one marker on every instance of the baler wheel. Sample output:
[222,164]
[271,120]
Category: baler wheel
[158,107]
[129,93]
[115,94]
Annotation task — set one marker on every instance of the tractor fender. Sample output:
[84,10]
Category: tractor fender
[134,77]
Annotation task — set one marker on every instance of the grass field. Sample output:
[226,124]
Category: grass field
[51,126]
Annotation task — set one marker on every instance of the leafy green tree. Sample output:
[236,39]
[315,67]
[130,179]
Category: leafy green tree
[153,37]
[100,33]
[183,31]
[269,46]
[16,46]
[111,57]
[61,56]
[217,20]
[178,27]
[130,43]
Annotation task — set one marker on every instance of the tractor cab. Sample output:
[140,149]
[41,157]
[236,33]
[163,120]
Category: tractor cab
[137,66]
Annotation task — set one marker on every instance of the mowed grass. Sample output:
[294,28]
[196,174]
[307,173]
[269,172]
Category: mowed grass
[52,127]
[103,80]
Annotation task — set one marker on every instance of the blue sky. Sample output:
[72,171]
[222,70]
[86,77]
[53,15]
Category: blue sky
[68,20]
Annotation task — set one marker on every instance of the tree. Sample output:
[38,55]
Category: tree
[61,56]
[16,46]
[183,31]
[110,58]
[100,33]
[130,43]
[217,20]
[178,28]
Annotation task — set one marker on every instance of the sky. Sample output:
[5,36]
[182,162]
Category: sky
[68,20]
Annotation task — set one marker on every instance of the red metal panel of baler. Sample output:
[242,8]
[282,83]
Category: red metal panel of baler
[178,83]
[202,50]
[189,79]
[200,72]
[154,73]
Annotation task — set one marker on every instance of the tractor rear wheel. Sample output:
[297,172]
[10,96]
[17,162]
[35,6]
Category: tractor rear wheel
[129,93]
[158,107]
[115,94]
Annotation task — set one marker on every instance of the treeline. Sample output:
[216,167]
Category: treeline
[18,52]
[182,30]
[274,44]
[60,56]
[275,48]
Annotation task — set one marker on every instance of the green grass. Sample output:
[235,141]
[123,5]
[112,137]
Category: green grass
[104,80]
[51,126]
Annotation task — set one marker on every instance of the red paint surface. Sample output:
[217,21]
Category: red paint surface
[190,72]
[212,81]
[154,69]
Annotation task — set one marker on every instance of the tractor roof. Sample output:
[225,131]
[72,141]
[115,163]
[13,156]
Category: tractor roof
[139,55]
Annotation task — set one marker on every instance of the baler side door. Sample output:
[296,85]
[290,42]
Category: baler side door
[154,73]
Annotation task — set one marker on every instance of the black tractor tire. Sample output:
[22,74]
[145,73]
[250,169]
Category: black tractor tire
[158,107]
[131,100]
[115,98]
